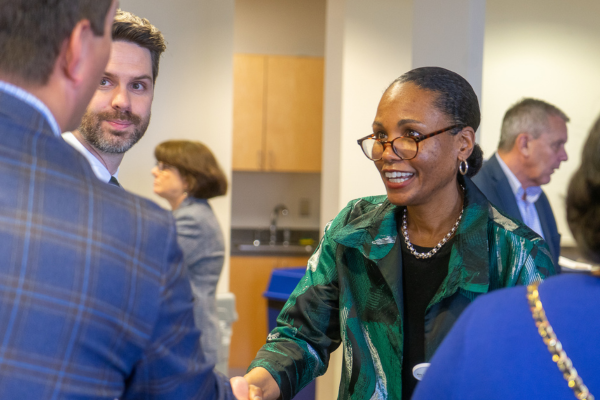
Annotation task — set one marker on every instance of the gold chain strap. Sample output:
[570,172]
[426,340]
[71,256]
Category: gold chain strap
[554,346]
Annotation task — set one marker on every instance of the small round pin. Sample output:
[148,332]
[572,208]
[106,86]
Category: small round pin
[419,370]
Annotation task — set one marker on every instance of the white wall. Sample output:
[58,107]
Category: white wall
[454,41]
[193,95]
[546,49]
[368,46]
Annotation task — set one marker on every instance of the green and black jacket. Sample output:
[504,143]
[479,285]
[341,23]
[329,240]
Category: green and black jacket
[351,294]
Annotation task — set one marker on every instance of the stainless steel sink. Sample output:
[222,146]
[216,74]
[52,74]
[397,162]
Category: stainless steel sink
[255,242]
[274,249]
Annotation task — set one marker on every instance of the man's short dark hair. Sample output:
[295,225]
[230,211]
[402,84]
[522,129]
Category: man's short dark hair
[131,28]
[528,115]
[33,31]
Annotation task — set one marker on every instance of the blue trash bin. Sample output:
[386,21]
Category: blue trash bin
[282,284]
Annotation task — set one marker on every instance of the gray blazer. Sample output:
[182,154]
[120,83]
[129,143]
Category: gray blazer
[201,240]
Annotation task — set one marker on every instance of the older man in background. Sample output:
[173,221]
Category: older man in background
[95,302]
[531,148]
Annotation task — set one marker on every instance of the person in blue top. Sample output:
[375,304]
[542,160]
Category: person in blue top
[496,349]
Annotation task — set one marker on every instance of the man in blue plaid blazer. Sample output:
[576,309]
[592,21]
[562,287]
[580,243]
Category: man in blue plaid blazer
[94,303]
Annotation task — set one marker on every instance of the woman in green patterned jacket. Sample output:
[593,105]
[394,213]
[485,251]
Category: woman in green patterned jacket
[392,273]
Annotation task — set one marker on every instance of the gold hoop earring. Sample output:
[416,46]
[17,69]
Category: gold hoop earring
[463,167]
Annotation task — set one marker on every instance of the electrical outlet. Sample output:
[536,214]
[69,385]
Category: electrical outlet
[304,207]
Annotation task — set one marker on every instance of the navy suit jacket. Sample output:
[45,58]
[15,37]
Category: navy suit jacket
[95,303]
[492,181]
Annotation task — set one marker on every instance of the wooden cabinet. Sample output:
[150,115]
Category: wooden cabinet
[248,116]
[249,277]
[278,113]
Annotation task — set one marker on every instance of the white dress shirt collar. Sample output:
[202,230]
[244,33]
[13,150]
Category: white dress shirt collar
[97,166]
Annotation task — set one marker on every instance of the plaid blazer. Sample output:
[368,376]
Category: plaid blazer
[94,301]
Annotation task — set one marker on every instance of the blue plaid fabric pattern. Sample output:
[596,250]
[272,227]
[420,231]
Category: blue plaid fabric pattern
[94,301]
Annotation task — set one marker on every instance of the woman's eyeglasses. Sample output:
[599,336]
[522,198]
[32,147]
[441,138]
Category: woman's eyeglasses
[405,147]
[163,166]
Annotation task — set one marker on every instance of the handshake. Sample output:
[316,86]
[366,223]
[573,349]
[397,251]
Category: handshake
[258,384]
[242,390]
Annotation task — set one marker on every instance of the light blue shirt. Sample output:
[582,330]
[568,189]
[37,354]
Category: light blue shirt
[33,102]
[525,199]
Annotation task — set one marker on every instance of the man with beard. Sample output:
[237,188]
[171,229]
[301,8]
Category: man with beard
[119,113]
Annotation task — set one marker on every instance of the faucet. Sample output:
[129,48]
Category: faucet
[279,208]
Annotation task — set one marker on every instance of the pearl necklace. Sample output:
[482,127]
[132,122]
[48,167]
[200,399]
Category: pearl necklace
[431,252]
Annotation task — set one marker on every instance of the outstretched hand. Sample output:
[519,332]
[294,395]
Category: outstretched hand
[243,391]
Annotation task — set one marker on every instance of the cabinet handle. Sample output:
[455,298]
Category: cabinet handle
[259,159]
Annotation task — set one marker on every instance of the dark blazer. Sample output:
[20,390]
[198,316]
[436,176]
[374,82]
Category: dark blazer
[95,301]
[492,181]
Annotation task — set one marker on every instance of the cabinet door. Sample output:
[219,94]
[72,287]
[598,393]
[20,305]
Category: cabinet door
[248,112]
[249,278]
[294,114]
